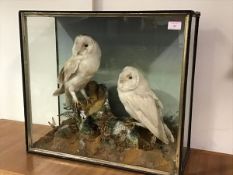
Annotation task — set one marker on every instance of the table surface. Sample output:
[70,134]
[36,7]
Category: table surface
[15,160]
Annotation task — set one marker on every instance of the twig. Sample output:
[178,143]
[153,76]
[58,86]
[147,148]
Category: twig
[53,124]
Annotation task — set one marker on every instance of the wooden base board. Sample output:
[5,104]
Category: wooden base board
[4,172]
[14,159]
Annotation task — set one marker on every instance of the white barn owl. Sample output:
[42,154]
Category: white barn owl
[142,104]
[79,69]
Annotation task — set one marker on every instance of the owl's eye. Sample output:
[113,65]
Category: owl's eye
[85,45]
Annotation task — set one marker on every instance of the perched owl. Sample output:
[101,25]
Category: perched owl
[142,104]
[79,69]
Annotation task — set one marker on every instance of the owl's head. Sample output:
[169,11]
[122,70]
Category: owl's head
[128,79]
[84,45]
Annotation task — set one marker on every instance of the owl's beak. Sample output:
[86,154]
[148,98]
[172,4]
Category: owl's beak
[78,48]
[78,51]
[122,80]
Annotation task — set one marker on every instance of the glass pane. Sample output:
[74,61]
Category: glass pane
[122,108]
[43,73]
[188,92]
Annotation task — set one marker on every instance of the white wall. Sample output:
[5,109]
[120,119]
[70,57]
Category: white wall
[11,99]
[213,98]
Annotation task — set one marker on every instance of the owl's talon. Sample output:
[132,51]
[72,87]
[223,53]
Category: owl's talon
[77,106]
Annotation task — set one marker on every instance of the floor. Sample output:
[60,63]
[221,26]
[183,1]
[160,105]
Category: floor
[14,159]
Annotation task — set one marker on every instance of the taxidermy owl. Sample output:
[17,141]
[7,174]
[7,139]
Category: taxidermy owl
[79,69]
[142,104]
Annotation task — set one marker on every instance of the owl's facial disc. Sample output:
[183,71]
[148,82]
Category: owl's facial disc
[82,45]
[127,80]
[83,48]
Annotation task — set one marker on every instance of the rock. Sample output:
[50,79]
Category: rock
[125,134]
[119,128]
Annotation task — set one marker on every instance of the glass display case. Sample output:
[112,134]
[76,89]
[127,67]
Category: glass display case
[110,88]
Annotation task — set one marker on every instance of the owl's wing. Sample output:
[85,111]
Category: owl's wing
[160,108]
[157,101]
[60,78]
[69,69]
[142,107]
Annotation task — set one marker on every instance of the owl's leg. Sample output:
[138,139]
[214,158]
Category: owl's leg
[77,104]
[68,101]
[83,92]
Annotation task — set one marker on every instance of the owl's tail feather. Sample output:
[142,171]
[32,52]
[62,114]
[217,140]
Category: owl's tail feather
[169,133]
[59,91]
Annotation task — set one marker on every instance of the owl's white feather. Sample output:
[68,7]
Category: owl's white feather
[80,68]
[142,104]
